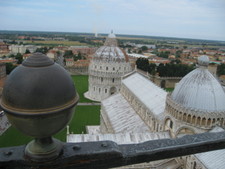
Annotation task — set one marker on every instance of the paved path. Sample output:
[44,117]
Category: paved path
[89,104]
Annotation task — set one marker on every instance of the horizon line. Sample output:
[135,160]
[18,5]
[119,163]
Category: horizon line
[118,34]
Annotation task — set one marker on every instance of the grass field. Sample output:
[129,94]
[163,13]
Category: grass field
[81,84]
[84,115]
[54,42]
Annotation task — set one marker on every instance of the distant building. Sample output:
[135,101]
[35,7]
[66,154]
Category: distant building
[106,68]
[69,62]
[52,54]
[22,48]
[17,49]
[82,49]
[2,70]
[148,46]
[3,46]
[135,55]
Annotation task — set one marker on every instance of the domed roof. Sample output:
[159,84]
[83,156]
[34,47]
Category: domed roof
[200,90]
[107,52]
[110,50]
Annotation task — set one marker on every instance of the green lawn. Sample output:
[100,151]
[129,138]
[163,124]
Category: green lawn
[84,115]
[169,89]
[81,84]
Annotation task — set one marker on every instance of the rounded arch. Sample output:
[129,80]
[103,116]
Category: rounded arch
[168,123]
[193,119]
[203,121]
[184,131]
[112,90]
[185,117]
[209,122]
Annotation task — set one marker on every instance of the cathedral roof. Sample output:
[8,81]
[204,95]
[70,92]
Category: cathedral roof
[200,90]
[118,111]
[152,96]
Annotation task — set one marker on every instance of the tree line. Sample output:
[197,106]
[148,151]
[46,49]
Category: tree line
[221,69]
[69,54]
[173,69]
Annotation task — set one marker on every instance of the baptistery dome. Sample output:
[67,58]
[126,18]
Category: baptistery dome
[110,50]
[108,65]
[200,89]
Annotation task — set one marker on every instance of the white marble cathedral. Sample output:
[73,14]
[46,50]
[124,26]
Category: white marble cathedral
[142,111]
[107,66]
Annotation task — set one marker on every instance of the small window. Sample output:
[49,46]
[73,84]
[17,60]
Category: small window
[101,79]
[105,90]
[113,80]
[99,90]
[106,68]
[171,124]
[113,68]
[100,67]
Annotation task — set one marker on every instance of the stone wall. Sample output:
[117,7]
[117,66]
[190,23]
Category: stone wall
[78,70]
[163,82]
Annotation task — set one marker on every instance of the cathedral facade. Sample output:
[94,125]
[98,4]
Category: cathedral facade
[106,68]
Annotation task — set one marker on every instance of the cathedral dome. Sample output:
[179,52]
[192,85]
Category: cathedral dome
[200,90]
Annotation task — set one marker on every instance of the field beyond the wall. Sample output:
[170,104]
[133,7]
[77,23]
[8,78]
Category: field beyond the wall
[84,115]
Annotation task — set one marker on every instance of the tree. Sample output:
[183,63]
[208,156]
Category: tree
[27,51]
[175,61]
[9,67]
[178,53]
[164,54]
[129,50]
[142,63]
[42,50]
[152,68]
[174,70]
[221,69]
[144,48]
[68,53]
[19,58]
[12,56]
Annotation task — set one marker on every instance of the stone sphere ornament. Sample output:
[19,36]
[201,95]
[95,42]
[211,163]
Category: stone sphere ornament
[39,99]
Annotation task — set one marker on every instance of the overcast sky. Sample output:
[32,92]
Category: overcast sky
[201,19]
